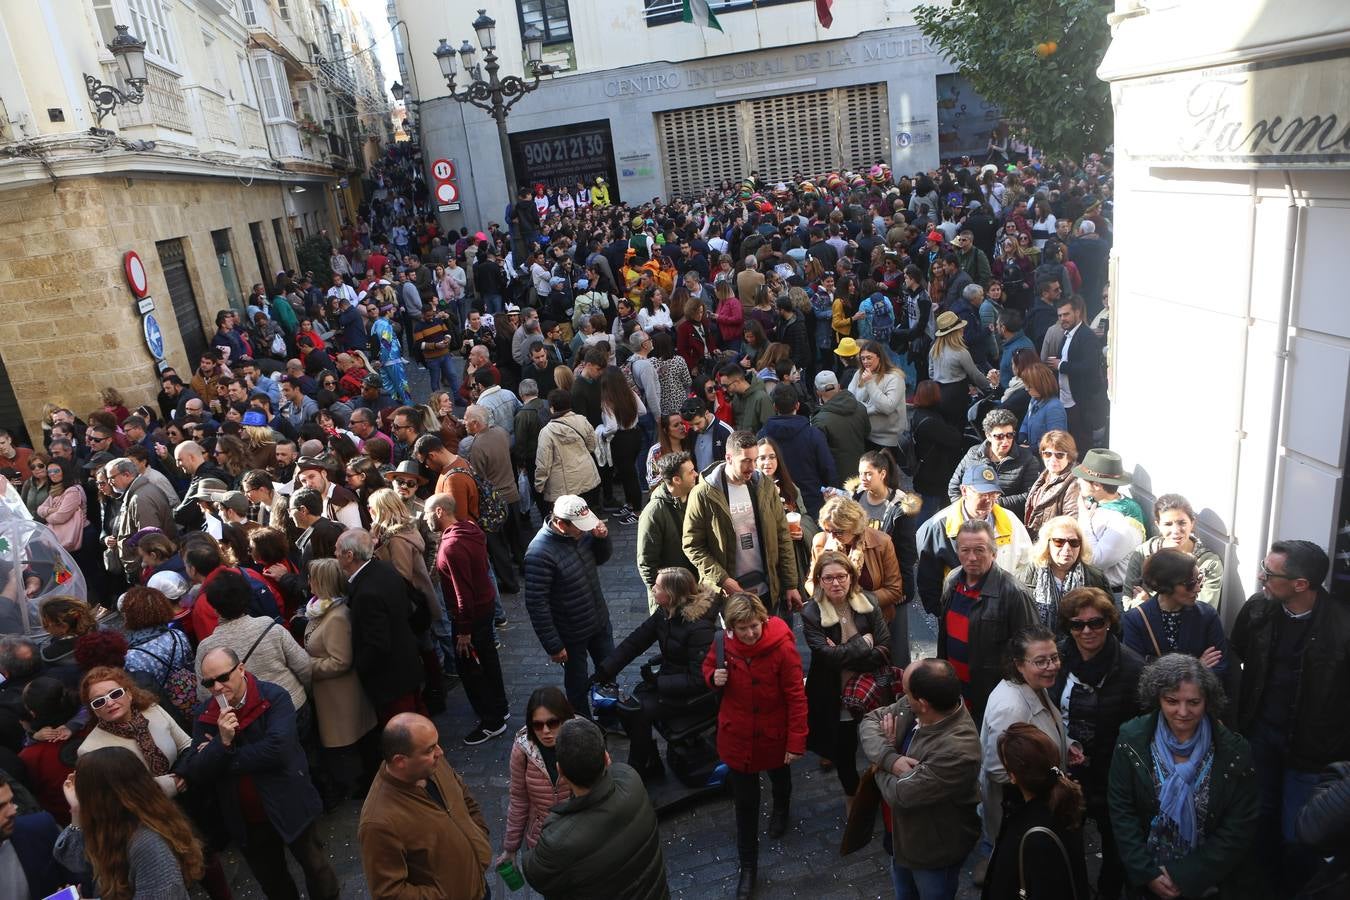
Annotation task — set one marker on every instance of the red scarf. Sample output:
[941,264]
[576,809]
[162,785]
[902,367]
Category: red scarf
[254,706]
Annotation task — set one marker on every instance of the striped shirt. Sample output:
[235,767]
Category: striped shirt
[957,623]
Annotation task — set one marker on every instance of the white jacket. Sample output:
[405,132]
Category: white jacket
[1009,703]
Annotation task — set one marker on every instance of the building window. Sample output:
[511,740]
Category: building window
[250,96]
[272,88]
[549,16]
[150,23]
[285,11]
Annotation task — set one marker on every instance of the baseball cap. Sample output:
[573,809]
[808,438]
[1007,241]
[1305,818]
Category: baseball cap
[253,417]
[99,460]
[512,308]
[168,583]
[583,284]
[982,478]
[936,236]
[573,509]
[826,380]
[373,380]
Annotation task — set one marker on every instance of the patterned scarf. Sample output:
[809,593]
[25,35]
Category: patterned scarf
[137,729]
[1048,592]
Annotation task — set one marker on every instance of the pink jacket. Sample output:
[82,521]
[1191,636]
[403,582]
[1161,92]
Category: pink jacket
[64,514]
[532,794]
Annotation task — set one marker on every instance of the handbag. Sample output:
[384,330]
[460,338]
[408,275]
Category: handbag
[867,691]
[862,813]
[1021,860]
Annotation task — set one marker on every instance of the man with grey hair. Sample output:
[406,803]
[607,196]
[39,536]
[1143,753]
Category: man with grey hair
[603,842]
[748,281]
[143,506]
[20,663]
[525,335]
[1016,468]
[490,454]
[981,606]
[530,419]
[385,652]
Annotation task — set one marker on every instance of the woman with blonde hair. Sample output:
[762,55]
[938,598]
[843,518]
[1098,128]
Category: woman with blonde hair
[682,627]
[398,541]
[137,841]
[1059,564]
[1055,492]
[952,367]
[113,403]
[761,721]
[847,636]
[563,377]
[845,529]
[344,711]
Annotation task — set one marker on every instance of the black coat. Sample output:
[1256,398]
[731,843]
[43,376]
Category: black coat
[1085,368]
[1319,730]
[824,681]
[562,587]
[793,333]
[1095,715]
[939,446]
[384,650]
[1004,609]
[683,640]
[1048,875]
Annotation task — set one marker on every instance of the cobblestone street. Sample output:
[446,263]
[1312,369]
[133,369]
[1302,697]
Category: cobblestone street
[699,841]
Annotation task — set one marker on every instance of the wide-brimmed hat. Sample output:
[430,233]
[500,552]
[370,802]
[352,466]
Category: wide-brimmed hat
[323,463]
[1103,467]
[847,347]
[202,489]
[948,322]
[408,469]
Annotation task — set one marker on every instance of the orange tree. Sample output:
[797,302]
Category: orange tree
[1036,59]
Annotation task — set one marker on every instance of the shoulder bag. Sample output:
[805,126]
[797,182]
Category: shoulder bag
[1021,860]
[1157,650]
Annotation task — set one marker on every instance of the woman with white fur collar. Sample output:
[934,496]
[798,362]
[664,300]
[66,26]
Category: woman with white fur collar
[846,634]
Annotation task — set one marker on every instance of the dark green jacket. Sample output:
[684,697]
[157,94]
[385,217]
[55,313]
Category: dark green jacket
[660,536]
[752,408]
[1224,858]
[847,427]
[603,845]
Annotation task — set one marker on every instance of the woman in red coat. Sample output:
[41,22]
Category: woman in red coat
[761,725]
[695,336]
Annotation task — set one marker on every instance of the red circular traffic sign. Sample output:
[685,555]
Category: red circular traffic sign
[443,170]
[447,192]
[136,277]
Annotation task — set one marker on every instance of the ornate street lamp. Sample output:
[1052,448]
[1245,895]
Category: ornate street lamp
[129,53]
[486,90]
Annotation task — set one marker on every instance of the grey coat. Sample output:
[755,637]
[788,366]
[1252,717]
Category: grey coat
[143,505]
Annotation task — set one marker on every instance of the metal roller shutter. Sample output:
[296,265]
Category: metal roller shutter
[702,147]
[11,417]
[809,133]
[173,260]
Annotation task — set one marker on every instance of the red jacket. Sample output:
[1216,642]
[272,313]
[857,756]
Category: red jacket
[688,346]
[462,563]
[763,713]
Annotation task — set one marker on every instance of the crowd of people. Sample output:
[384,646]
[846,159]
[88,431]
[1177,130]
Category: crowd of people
[832,406]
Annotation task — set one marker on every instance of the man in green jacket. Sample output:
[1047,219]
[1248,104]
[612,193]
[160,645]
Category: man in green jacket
[750,403]
[660,536]
[845,424]
[604,841]
[927,753]
[736,533]
[284,314]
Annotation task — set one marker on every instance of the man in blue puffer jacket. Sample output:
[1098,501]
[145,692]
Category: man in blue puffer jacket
[563,595]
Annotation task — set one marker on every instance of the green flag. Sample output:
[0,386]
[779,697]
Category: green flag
[699,13]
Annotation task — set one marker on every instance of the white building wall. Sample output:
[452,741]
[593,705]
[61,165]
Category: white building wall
[1230,334]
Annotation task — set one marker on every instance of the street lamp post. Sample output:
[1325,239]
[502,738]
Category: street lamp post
[492,94]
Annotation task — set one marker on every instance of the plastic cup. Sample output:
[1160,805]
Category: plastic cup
[794,523]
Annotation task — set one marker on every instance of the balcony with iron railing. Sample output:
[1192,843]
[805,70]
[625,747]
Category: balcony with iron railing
[664,12]
[165,105]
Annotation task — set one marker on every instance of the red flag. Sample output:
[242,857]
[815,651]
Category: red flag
[823,12]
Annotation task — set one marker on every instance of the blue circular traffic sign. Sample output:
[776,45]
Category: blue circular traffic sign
[154,338]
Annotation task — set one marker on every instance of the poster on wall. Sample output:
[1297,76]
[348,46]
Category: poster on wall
[560,157]
[965,120]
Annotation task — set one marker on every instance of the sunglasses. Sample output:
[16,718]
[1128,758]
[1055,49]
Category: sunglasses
[114,694]
[551,724]
[405,483]
[209,683]
[1054,454]
[1072,542]
[1094,624]
[1006,436]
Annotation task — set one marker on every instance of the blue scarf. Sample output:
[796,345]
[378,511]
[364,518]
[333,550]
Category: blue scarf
[1176,798]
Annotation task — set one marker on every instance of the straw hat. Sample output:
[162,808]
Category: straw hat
[949,322]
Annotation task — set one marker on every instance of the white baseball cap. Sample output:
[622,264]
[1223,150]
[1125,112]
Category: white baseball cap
[573,509]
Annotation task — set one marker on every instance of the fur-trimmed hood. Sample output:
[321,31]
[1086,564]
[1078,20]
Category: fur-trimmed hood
[696,607]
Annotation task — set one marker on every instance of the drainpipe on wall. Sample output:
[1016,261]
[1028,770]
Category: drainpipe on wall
[1283,350]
